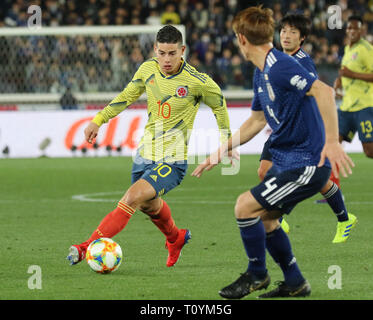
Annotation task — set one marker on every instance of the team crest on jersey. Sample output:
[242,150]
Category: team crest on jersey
[182,91]
[271,94]
[354,56]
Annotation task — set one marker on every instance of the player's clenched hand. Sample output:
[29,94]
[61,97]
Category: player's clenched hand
[90,132]
[208,164]
[338,88]
[338,159]
[346,72]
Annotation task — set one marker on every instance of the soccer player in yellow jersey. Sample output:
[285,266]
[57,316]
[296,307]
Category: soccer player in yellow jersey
[174,91]
[356,79]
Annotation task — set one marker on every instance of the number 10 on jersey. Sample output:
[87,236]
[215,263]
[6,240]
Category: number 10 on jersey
[164,109]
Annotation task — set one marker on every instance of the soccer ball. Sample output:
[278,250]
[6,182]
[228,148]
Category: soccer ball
[104,255]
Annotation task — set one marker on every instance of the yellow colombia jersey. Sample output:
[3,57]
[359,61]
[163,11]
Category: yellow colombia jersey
[173,102]
[358,94]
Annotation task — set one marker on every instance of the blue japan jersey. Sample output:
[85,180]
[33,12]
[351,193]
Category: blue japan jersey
[298,134]
[305,60]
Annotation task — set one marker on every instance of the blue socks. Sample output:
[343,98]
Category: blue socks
[278,246]
[335,200]
[255,241]
[254,238]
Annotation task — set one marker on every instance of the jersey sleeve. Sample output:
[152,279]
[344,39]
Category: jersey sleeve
[131,93]
[309,65]
[212,96]
[255,104]
[291,76]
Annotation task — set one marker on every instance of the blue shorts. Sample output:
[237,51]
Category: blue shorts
[281,191]
[266,155]
[360,121]
[161,175]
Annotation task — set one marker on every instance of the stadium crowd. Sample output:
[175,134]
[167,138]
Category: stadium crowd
[95,64]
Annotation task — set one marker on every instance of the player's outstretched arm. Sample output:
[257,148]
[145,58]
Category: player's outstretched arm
[130,93]
[248,130]
[332,150]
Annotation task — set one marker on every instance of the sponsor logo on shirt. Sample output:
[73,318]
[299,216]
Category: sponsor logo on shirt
[298,82]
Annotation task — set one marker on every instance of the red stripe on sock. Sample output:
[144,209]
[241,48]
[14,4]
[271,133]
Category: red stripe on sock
[112,224]
[126,208]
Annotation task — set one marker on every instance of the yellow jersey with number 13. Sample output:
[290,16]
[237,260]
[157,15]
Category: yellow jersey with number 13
[358,94]
[173,102]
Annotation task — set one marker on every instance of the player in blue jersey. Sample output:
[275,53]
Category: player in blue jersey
[294,28]
[304,149]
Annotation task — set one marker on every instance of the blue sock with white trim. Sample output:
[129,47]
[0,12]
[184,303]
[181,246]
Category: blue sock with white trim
[335,200]
[253,237]
[278,246]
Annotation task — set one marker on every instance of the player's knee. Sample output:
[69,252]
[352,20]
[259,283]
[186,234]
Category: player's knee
[146,208]
[132,199]
[270,225]
[327,187]
[139,193]
[151,208]
[239,208]
[242,207]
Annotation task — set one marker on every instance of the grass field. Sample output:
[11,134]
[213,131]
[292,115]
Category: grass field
[48,204]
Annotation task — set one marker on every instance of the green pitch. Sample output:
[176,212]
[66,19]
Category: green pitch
[48,204]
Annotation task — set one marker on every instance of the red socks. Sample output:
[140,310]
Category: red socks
[163,220]
[113,223]
[334,179]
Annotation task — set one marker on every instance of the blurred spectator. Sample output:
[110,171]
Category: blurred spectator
[195,62]
[209,66]
[201,45]
[68,101]
[184,12]
[91,84]
[218,16]
[200,16]
[136,59]
[238,78]
[225,67]
[153,18]
[91,9]
[152,4]
[170,16]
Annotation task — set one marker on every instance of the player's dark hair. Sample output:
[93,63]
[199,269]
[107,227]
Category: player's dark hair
[355,18]
[298,21]
[169,34]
